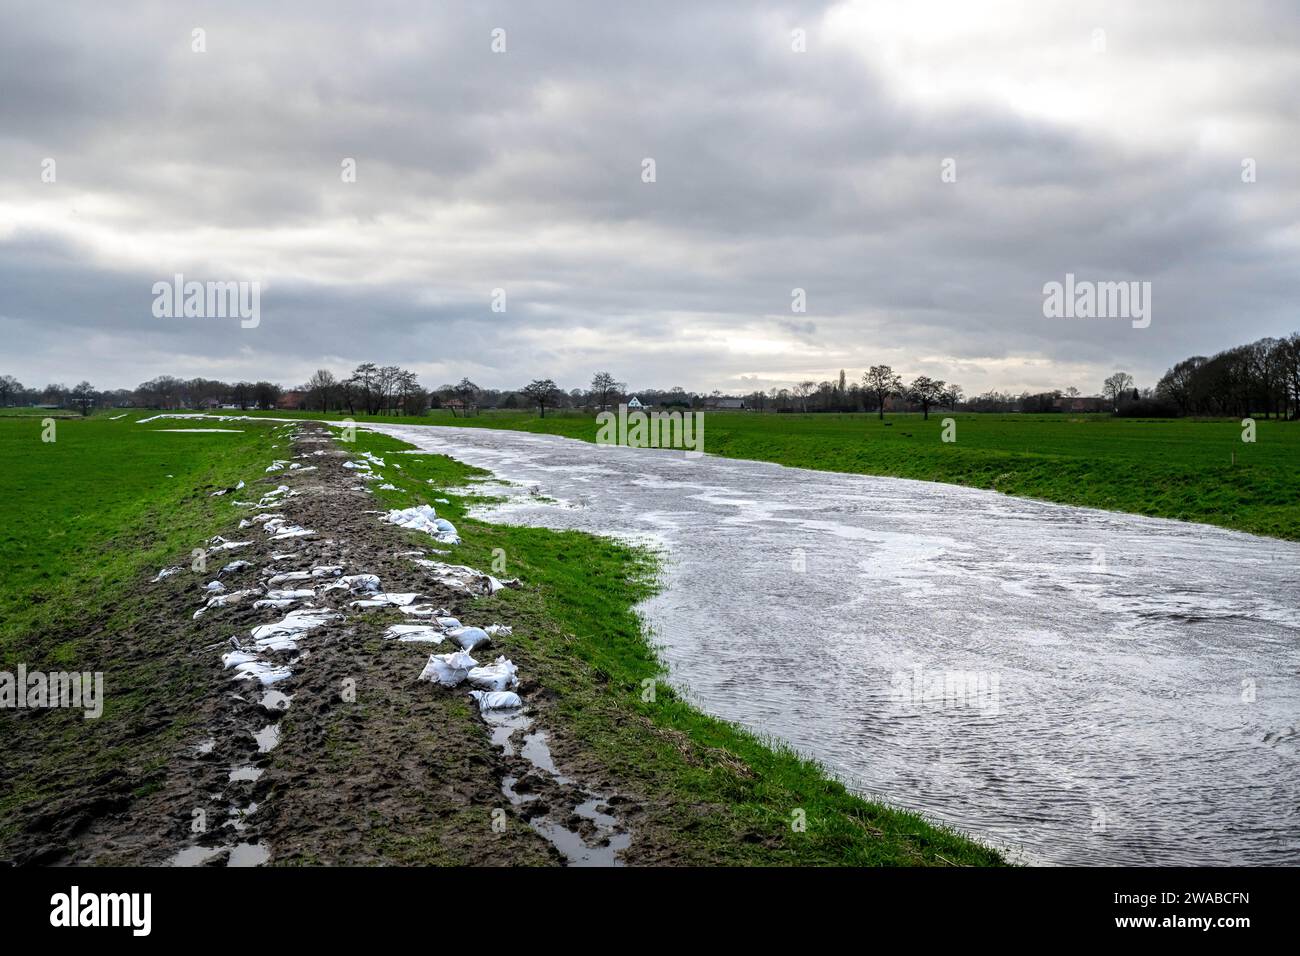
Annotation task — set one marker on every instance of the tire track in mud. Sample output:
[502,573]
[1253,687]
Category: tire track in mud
[318,742]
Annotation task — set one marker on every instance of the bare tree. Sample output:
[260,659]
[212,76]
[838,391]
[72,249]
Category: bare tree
[84,397]
[803,390]
[541,392]
[602,386]
[466,391]
[1115,386]
[321,387]
[10,388]
[880,381]
[926,392]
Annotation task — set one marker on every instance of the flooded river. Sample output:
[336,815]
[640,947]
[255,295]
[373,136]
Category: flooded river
[1073,686]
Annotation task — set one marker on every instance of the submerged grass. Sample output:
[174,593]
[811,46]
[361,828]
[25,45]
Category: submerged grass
[720,794]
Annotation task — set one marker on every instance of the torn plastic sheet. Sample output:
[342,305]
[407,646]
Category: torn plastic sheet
[275,604]
[218,543]
[264,673]
[448,669]
[422,610]
[166,573]
[296,623]
[225,600]
[462,578]
[496,700]
[288,577]
[500,675]
[414,634]
[276,642]
[276,465]
[499,630]
[291,531]
[387,599]
[356,583]
[290,595]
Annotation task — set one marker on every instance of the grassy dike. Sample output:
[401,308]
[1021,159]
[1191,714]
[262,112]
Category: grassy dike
[98,515]
[728,797]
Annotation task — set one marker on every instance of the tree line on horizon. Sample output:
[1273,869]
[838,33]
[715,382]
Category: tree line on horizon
[1263,376]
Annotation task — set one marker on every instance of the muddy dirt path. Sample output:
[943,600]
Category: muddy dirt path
[314,741]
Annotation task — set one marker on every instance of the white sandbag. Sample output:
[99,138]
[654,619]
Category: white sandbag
[165,573]
[234,566]
[414,634]
[497,676]
[469,637]
[496,700]
[356,583]
[448,669]
[288,577]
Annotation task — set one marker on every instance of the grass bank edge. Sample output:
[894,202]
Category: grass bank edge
[737,791]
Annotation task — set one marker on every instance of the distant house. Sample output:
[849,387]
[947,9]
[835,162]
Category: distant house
[634,402]
[459,406]
[735,404]
[1082,404]
[291,401]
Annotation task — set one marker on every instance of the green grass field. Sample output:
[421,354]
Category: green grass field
[90,512]
[109,502]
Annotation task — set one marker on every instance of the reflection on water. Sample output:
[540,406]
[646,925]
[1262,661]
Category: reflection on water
[1146,673]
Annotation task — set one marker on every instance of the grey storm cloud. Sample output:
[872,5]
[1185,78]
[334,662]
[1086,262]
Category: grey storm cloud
[1103,139]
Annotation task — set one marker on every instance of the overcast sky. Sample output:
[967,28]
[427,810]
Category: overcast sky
[1115,156]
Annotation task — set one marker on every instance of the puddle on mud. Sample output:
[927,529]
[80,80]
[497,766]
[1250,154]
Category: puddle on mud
[569,842]
[238,854]
[268,738]
[274,701]
[249,774]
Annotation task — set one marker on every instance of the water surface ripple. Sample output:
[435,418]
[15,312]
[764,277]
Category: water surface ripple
[1147,677]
